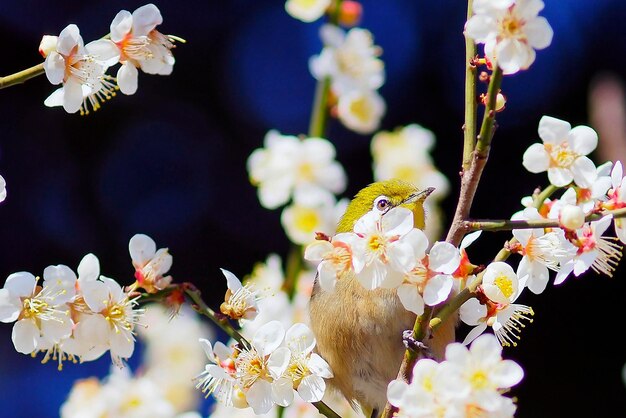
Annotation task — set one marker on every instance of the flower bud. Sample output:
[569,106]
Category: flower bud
[47,45]
[571,217]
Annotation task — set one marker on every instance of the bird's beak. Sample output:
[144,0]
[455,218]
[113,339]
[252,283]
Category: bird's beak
[419,196]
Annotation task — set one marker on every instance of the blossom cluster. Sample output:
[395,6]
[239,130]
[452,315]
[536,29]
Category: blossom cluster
[276,364]
[305,172]
[76,317]
[469,382]
[162,386]
[133,41]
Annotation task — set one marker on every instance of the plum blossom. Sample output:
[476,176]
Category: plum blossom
[307,10]
[334,257]
[141,46]
[240,301]
[563,153]
[80,69]
[113,317]
[349,59]
[312,210]
[430,281]
[361,110]
[468,381]
[3,189]
[600,253]
[150,264]
[540,252]
[218,378]
[387,247]
[40,313]
[511,31]
[494,306]
[287,163]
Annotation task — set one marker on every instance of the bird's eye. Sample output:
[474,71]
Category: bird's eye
[382,204]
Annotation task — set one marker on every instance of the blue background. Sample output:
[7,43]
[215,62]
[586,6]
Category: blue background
[170,162]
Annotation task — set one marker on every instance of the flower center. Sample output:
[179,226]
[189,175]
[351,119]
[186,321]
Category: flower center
[250,367]
[504,284]
[305,171]
[33,307]
[306,219]
[511,27]
[362,109]
[561,155]
[341,257]
[479,380]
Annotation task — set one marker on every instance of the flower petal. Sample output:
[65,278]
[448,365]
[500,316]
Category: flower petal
[121,25]
[560,177]
[68,39]
[259,396]
[584,172]
[312,388]
[536,159]
[282,391]
[142,249]
[268,338]
[411,299]
[25,336]
[72,95]
[232,282]
[553,130]
[54,66]
[127,78]
[438,289]
[145,19]
[21,284]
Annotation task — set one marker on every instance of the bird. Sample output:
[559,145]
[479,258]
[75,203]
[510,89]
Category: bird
[359,332]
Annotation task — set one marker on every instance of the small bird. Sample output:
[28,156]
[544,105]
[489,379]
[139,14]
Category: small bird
[359,331]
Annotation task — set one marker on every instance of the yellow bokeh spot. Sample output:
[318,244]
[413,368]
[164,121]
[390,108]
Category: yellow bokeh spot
[306,219]
[361,109]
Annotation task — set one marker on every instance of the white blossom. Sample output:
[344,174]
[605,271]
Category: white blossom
[361,110]
[307,10]
[150,264]
[510,30]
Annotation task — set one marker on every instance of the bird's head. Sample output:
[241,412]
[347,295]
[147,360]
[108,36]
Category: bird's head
[383,196]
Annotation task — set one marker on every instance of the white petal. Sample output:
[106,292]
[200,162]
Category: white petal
[539,33]
[68,39]
[372,276]
[327,276]
[536,159]
[553,130]
[208,349]
[560,177]
[319,367]
[620,230]
[232,282]
[56,330]
[317,250]
[474,333]
[54,66]
[282,391]
[444,258]
[20,284]
[55,99]
[89,268]
[268,337]
[105,51]
[470,238]
[438,289]
[93,329]
[300,339]
[311,388]
[145,19]
[127,77]
[418,240]
[487,347]
[142,249]
[395,392]
[122,344]
[72,95]
[10,306]
[583,139]
[25,336]
[401,256]
[121,25]
[479,27]
[411,299]
[584,171]
[278,361]
[565,271]
[221,351]
[398,221]
[259,396]
[472,312]
[508,373]
[392,279]
[96,294]
[616,174]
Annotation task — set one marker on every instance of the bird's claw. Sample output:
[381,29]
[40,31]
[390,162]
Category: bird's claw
[412,344]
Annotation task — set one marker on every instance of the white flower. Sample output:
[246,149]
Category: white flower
[42,316]
[349,59]
[430,282]
[361,110]
[240,301]
[306,10]
[510,30]
[150,264]
[306,370]
[113,320]
[387,247]
[140,46]
[540,252]
[335,257]
[313,210]
[602,254]
[563,153]
[79,68]
[571,217]
[218,377]
[484,373]
[258,369]
[287,163]
[500,283]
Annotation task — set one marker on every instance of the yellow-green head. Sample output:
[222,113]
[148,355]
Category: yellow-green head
[384,195]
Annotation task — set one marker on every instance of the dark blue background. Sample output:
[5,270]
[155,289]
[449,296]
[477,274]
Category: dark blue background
[170,162]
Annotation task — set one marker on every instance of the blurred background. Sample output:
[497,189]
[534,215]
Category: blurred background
[170,162]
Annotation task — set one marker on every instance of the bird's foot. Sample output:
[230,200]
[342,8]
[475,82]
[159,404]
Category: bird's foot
[412,344]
